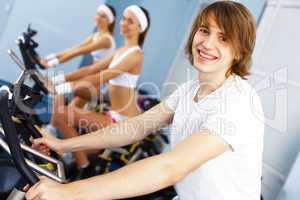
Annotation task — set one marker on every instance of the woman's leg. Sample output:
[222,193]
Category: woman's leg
[68,118]
[60,120]
[77,102]
[81,158]
[89,120]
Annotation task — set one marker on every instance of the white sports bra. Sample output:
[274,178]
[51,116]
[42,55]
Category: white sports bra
[125,79]
[102,53]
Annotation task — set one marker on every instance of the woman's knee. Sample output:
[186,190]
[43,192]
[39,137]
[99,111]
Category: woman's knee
[57,119]
[77,102]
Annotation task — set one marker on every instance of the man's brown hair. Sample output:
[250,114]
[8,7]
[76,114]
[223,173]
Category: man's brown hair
[239,27]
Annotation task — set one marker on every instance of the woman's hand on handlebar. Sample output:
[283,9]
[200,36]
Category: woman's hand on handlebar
[44,62]
[46,82]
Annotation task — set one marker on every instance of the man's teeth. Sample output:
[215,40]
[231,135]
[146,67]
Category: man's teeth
[206,56]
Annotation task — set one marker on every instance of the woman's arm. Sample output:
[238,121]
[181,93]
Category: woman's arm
[101,43]
[67,54]
[80,87]
[92,69]
[87,41]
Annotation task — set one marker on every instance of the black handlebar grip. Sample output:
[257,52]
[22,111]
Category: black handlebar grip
[34,132]
[39,84]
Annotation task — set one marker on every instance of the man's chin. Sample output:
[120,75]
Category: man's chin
[202,68]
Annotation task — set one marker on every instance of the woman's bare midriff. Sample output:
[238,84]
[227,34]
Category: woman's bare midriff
[123,100]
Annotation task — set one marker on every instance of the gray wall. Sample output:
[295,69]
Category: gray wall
[255,6]
[276,76]
[5,10]
[290,190]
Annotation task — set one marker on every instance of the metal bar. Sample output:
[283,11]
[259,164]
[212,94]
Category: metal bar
[16,195]
[36,167]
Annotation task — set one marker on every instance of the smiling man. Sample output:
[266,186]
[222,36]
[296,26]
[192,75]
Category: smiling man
[216,139]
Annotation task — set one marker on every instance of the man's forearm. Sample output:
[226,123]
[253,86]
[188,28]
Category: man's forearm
[142,177]
[123,133]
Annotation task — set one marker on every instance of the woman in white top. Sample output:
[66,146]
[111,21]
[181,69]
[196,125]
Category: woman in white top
[99,44]
[120,70]
[217,125]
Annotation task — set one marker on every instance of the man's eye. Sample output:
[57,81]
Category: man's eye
[203,30]
[223,39]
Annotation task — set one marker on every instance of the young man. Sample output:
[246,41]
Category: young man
[216,139]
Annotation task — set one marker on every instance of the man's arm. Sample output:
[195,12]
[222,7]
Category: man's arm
[155,173]
[142,177]
[116,135]
[123,133]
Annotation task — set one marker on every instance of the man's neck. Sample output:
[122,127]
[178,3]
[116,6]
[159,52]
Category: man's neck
[209,82]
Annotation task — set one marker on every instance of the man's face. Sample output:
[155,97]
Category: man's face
[212,52]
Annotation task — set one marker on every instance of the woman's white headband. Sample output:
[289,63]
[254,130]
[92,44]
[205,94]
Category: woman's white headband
[139,13]
[108,12]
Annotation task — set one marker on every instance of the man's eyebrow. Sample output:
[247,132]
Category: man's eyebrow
[209,28]
[204,26]
[219,31]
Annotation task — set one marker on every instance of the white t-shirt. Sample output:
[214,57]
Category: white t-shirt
[234,113]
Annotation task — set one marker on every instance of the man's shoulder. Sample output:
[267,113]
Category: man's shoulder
[241,89]
[188,84]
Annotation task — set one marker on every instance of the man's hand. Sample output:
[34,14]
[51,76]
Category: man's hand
[48,189]
[47,142]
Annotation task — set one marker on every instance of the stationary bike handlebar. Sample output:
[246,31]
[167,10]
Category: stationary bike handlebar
[12,139]
[28,49]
